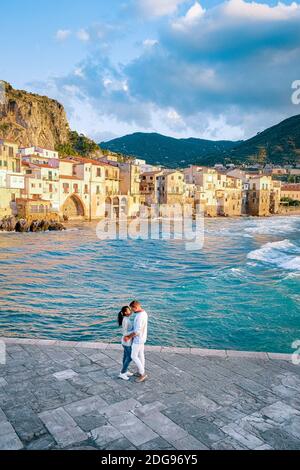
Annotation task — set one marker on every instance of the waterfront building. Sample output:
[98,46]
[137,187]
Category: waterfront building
[147,168]
[149,187]
[41,182]
[229,196]
[130,174]
[259,195]
[291,192]
[39,155]
[275,196]
[35,209]
[82,189]
[11,178]
[171,187]
[191,194]
[207,182]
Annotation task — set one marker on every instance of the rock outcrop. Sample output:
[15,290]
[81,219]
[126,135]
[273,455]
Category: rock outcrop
[29,119]
[33,120]
[10,224]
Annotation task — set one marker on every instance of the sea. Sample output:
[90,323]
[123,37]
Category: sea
[240,291]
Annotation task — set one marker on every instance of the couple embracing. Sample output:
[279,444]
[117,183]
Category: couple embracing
[134,337]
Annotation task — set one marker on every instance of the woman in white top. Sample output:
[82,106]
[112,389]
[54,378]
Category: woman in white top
[127,328]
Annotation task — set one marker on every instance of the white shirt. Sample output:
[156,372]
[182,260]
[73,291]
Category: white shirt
[126,331]
[140,328]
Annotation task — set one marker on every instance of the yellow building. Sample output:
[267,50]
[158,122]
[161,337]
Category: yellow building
[35,210]
[82,188]
[207,182]
[229,196]
[130,175]
[171,187]
[275,197]
[11,178]
[290,191]
[259,195]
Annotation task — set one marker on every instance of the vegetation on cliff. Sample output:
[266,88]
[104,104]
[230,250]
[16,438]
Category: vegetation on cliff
[78,145]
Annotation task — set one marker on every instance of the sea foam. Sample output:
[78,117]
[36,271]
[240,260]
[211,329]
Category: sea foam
[283,254]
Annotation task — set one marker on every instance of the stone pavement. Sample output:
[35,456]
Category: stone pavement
[58,395]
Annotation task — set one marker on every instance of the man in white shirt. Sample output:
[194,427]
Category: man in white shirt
[139,336]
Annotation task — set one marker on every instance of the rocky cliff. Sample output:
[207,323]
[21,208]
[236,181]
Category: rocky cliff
[30,119]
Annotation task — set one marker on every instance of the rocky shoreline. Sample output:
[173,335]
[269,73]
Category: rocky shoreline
[12,224]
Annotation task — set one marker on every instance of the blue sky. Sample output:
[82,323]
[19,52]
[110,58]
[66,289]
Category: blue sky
[219,69]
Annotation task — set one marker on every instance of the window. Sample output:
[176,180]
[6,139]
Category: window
[75,188]
[98,190]
[50,188]
[98,172]
[66,187]
[86,189]
[10,152]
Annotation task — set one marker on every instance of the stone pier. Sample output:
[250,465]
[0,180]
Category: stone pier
[67,395]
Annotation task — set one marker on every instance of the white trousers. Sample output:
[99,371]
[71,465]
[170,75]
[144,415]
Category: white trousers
[138,357]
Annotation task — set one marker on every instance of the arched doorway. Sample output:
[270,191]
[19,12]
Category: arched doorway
[123,207]
[73,208]
[108,207]
[116,207]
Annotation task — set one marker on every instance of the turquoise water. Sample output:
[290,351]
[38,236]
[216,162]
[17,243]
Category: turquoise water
[241,291]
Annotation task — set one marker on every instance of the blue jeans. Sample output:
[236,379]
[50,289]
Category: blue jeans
[126,359]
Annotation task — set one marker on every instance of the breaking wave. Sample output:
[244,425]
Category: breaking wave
[282,254]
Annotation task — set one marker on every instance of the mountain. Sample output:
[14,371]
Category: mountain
[168,151]
[279,144]
[30,119]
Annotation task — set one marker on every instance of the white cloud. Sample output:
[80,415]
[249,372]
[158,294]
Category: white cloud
[253,11]
[79,72]
[62,34]
[83,35]
[158,7]
[193,14]
[150,42]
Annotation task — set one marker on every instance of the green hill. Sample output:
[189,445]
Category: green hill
[279,144]
[168,151]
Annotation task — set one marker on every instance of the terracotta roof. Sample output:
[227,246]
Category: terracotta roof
[290,187]
[44,165]
[69,177]
[150,173]
[95,162]
[19,200]
[65,160]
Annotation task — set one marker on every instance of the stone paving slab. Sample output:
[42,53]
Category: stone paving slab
[67,395]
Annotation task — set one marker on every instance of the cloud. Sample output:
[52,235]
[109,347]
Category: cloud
[83,35]
[220,72]
[155,8]
[62,34]
[150,42]
[253,11]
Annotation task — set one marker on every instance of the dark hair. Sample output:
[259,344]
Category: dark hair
[135,304]
[121,314]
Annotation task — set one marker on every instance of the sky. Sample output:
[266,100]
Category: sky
[216,69]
